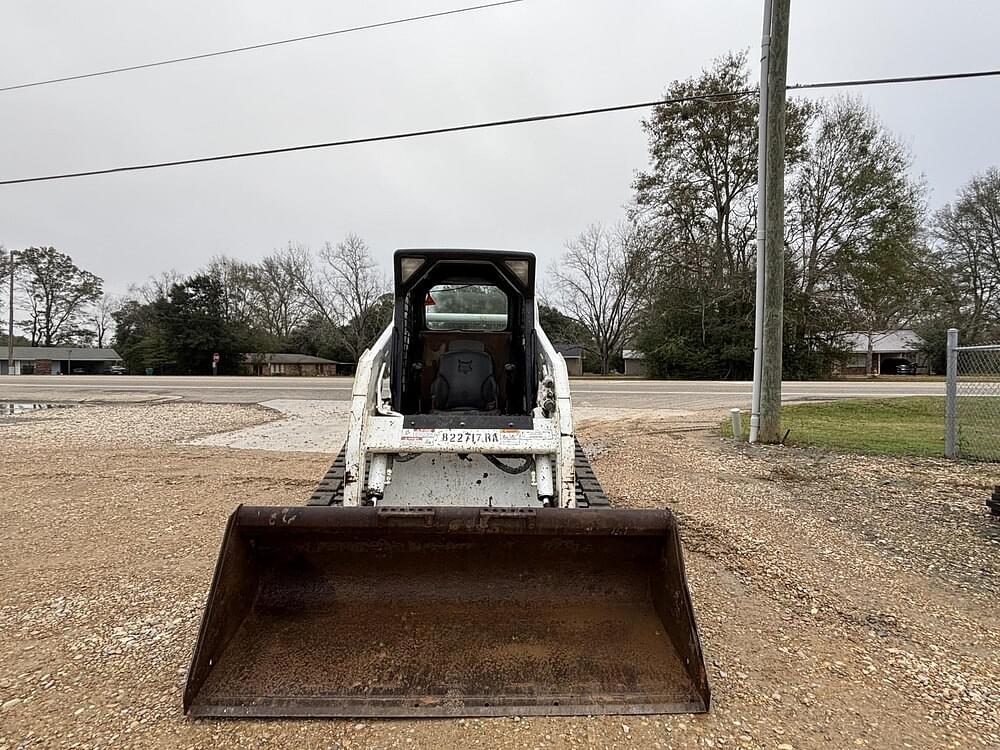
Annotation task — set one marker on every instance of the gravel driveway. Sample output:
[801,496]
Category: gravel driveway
[843,601]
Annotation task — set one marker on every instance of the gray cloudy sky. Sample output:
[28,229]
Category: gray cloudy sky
[530,187]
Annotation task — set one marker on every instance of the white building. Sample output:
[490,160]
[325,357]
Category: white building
[634,362]
[59,360]
[573,354]
[890,349]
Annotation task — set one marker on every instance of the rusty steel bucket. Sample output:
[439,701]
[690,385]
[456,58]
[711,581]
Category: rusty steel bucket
[447,611]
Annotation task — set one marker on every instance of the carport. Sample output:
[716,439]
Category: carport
[889,349]
[61,360]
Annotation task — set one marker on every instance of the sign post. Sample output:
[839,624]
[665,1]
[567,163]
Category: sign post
[215,363]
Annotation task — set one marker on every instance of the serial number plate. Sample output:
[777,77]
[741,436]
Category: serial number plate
[430,438]
[472,438]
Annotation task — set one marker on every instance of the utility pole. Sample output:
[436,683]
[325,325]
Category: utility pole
[10,321]
[765,413]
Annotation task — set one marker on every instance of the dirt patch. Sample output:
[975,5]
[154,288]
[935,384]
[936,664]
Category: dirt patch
[309,426]
[843,601]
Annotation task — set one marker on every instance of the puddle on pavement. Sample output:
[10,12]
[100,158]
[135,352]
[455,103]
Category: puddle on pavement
[8,408]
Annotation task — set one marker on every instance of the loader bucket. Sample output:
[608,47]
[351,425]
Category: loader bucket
[447,611]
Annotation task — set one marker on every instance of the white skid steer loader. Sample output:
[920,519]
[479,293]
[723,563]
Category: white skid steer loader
[460,557]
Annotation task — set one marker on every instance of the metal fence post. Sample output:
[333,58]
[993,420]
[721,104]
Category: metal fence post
[951,396]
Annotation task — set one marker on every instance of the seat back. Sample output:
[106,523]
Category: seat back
[465,380]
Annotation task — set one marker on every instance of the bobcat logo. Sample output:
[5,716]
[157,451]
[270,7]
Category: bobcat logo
[465,366]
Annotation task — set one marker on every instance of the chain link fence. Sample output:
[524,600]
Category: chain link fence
[972,406]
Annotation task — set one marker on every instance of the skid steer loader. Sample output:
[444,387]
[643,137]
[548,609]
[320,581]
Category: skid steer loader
[460,557]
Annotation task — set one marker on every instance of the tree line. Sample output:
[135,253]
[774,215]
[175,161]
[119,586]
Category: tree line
[329,303]
[674,280]
[863,253]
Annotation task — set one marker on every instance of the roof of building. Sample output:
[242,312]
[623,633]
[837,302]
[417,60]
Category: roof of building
[284,358]
[633,354]
[569,350]
[885,342]
[79,353]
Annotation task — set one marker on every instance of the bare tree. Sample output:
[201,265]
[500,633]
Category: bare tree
[101,318]
[346,287]
[156,287]
[280,306]
[968,231]
[854,219]
[846,191]
[600,281]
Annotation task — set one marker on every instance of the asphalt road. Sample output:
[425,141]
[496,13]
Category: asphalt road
[688,395]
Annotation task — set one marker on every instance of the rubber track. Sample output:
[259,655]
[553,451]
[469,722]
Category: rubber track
[588,490]
[330,490]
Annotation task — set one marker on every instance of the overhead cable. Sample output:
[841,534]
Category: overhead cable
[716,97]
[262,45]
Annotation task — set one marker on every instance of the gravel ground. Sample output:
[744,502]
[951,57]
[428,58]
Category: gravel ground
[843,601]
[136,425]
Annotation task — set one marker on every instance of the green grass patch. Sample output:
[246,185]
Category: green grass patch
[979,424]
[908,426]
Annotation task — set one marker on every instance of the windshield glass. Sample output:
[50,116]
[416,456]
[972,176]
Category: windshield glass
[465,307]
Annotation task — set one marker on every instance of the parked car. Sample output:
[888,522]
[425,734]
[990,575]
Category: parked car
[116,370]
[906,369]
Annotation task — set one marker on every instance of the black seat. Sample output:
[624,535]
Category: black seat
[464,382]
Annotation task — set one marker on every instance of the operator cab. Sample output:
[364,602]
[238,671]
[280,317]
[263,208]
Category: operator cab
[463,333]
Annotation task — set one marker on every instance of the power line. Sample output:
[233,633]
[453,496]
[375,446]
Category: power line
[377,138]
[899,79]
[707,97]
[262,45]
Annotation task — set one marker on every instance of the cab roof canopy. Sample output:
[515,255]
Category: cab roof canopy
[416,266]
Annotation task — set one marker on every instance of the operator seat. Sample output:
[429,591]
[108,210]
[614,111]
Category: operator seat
[465,379]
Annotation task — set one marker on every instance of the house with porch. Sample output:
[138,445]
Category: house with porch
[890,349]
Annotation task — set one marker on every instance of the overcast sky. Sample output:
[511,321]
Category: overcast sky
[528,187]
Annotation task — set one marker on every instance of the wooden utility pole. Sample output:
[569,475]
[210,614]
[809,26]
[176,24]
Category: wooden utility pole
[773,233]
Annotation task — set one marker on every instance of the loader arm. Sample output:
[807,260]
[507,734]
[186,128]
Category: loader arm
[365,401]
[553,366]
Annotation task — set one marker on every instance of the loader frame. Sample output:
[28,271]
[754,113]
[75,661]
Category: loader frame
[378,434]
